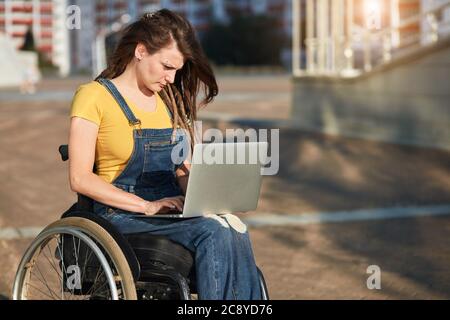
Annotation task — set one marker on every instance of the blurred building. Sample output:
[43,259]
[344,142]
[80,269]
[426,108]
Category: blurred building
[105,14]
[373,69]
[47,19]
[71,49]
[334,35]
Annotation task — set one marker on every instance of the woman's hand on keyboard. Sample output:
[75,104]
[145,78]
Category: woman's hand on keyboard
[164,205]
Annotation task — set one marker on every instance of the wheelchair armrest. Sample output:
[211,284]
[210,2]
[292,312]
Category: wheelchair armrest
[64,152]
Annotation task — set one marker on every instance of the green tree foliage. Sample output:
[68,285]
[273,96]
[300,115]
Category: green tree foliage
[28,44]
[246,40]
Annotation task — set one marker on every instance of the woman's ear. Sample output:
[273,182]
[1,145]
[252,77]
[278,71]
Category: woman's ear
[140,51]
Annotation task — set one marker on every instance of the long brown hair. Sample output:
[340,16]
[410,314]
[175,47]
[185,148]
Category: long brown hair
[157,30]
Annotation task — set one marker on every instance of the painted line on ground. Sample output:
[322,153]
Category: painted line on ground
[19,233]
[272,219]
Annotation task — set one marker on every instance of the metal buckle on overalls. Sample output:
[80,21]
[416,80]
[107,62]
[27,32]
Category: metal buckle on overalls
[173,136]
[136,123]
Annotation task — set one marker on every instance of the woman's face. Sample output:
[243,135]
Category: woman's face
[158,69]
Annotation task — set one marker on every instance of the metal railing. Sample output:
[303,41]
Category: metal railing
[335,46]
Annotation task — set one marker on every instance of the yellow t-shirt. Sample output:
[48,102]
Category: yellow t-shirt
[114,146]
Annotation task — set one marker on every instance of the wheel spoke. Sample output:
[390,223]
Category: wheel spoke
[43,281]
[36,288]
[62,267]
[86,259]
[93,288]
[51,263]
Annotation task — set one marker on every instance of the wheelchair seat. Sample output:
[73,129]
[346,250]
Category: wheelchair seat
[166,267]
[153,250]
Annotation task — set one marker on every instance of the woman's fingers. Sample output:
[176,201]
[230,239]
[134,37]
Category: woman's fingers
[176,202]
[170,203]
[173,203]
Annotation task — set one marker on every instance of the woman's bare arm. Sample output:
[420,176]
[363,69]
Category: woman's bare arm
[82,141]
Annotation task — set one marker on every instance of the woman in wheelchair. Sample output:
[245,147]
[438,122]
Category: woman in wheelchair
[126,124]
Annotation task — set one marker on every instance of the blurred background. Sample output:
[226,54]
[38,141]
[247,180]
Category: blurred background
[359,89]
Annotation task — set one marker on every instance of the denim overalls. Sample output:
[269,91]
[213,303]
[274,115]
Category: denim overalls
[225,266]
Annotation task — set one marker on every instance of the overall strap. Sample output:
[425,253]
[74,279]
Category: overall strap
[120,100]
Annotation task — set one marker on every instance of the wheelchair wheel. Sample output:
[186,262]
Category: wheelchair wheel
[74,259]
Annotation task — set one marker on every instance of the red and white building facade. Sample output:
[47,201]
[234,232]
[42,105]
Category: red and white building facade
[47,19]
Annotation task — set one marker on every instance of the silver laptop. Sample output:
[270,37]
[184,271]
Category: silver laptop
[224,178]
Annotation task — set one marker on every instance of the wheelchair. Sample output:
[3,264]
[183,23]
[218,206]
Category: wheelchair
[84,257]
